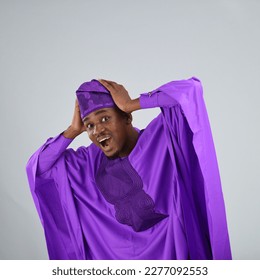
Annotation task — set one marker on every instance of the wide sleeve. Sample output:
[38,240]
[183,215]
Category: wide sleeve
[189,138]
[51,151]
[53,197]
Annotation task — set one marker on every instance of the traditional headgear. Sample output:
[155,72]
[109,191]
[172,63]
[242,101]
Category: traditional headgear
[93,96]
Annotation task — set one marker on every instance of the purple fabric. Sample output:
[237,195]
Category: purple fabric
[121,186]
[93,96]
[176,161]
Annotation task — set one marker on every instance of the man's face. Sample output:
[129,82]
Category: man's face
[108,129]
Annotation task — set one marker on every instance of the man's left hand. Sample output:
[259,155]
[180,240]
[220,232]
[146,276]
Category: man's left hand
[120,96]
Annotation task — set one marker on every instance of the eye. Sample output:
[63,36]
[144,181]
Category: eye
[89,126]
[105,119]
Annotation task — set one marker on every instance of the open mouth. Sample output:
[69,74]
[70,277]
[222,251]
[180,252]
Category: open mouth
[104,142]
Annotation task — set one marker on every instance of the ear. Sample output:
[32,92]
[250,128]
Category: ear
[129,118]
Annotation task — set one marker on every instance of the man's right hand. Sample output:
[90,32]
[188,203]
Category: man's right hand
[77,126]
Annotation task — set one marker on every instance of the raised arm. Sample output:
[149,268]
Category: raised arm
[53,149]
[160,97]
[77,126]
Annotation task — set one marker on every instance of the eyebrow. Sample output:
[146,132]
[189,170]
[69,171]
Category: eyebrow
[97,113]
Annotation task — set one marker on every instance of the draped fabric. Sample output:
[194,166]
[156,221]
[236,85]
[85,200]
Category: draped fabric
[121,185]
[176,162]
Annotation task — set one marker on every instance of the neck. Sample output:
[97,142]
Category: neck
[132,140]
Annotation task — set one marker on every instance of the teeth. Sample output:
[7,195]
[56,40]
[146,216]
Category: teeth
[103,139]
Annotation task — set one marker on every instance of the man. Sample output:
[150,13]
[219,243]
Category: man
[132,194]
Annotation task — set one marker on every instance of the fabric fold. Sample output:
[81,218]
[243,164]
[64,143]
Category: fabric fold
[176,161]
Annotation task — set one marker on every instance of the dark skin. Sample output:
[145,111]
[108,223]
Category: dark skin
[109,128]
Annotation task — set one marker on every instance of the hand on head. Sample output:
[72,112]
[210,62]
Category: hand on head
[119,94]
[77,126]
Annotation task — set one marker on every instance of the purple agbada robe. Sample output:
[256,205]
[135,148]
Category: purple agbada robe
[172,170]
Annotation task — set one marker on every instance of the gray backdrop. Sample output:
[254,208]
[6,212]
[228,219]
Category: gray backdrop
[50,47]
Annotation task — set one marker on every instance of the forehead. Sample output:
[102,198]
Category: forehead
[96,113]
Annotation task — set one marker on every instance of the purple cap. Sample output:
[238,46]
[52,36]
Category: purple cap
[93,96]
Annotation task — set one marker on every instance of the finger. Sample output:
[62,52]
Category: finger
[108,82]
[76,104]
[107,85]
[103,82]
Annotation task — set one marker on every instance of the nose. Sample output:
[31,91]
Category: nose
[98,128]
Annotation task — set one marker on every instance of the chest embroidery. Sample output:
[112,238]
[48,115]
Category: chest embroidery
[122,186]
